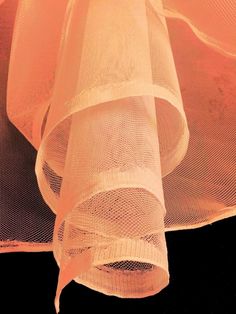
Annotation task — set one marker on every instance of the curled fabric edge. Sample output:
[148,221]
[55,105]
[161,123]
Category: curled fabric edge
[189,13]
[173,98]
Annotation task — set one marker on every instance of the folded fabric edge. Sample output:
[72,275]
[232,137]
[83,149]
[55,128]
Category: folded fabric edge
[206,39]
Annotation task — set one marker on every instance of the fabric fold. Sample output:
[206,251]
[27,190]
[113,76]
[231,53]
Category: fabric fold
[104,187]
[220,34]
[133,121]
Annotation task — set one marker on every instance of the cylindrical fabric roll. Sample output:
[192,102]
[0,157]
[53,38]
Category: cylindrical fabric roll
[93,87]
[99,166]
[97,73]
[111,180]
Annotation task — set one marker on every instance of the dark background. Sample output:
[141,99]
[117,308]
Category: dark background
[202,269]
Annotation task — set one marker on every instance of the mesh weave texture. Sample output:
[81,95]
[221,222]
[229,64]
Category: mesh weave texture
[118,125]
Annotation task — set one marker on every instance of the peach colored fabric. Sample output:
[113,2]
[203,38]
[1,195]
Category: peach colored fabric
[131,108]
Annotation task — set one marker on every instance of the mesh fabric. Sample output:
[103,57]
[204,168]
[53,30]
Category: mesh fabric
[119,124]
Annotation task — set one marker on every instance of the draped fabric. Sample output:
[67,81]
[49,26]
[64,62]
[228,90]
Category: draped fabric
[117,124]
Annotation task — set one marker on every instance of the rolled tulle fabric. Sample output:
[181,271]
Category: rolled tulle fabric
[132,116]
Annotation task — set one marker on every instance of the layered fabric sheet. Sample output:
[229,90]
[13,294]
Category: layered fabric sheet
[118,125]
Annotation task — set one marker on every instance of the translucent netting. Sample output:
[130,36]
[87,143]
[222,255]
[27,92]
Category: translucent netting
[126,150]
